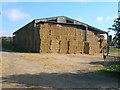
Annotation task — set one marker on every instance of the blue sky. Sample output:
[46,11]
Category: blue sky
[97,14]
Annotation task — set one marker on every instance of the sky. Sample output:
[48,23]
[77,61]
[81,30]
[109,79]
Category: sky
[16,14]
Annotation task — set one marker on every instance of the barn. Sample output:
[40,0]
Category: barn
[59,35]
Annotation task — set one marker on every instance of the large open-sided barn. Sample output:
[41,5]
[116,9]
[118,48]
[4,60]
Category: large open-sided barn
[59,35]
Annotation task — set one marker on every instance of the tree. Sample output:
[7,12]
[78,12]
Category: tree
[116,28]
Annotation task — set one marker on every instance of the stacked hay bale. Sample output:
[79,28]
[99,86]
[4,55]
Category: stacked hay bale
[72,47]
[64,39]
[79,47]
[56,38]
[54,46]
[79,34]
[76,38]
[80,37]
[64,46]
[71,32]
[45,46]
[97,44]
[82,34]
[44,38]
[54,32]
[94,45]
[103,44]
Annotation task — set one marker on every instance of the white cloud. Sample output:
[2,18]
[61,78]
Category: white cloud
[99,19]
[108,18]
[5,33]
[80,18]
[15,14]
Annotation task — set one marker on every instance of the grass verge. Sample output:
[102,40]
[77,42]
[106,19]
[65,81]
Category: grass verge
[113,51]
[113,70]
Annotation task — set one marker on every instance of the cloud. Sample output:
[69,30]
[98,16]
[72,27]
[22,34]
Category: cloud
[5,33]
[99,19]
[80,18]
[108,18]
[15,14]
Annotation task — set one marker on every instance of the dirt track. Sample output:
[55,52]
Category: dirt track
[54,70]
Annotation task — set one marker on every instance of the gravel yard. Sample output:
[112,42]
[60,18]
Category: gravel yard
[54,70]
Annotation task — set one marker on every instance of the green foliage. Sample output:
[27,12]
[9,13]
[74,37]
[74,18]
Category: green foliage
[116,26]
[7,42]
[112,68]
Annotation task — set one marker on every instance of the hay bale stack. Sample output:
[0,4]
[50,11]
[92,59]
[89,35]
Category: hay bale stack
[44,31]
[94,44]
[45,46]
[64,46]
[54,46]
[72,47]
[56,38]
[44,38]
[79,35]
[82,35]
[79,47]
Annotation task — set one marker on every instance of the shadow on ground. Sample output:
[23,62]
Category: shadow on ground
[14,51]
[97,63]
[64,80]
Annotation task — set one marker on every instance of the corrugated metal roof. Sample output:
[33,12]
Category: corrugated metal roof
[73,22]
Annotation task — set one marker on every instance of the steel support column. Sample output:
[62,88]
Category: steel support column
[86,33]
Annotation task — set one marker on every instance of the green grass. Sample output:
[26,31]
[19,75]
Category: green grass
[112,70]
[112,50]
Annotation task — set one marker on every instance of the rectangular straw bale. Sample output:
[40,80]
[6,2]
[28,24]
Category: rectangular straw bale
[44,32]
[79,46]
[63,31]
[63,46]
[63,38]
[44,37]
[72,47]
[45,45]
[53,37]
[83,35]
[45,25]
[78,38]
[55,32]
[54,47]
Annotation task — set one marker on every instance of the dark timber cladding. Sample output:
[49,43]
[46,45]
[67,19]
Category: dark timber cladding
[60,35]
